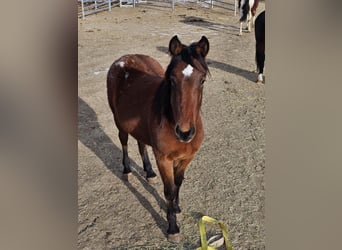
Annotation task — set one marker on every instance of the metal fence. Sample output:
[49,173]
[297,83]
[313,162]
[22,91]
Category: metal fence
[93,6]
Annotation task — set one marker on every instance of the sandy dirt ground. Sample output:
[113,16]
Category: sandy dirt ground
[226,178]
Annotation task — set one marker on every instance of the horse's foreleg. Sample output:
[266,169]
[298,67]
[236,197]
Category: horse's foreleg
[240,32]
[260,59]
[179,171]
[150,174]
[170,191]
[125,159]
[249,17]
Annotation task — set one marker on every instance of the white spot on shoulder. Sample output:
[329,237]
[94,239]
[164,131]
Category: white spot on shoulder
[120,63]
[187,71]
[126,75]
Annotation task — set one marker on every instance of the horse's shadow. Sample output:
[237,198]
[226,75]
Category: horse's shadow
[249,75]
[219,27]
[111,156]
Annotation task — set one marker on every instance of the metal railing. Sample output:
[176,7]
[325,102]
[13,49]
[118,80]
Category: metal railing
[93,6]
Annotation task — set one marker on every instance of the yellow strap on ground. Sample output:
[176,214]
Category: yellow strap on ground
[204,244]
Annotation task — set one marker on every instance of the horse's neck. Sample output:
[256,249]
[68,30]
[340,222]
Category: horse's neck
[161,103]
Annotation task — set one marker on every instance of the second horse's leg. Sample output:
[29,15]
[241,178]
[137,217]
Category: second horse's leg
[249,20]
[260,59]
[125,159]
[150,174]
[240,31]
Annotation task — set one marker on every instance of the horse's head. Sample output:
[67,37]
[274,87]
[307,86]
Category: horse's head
[186,75]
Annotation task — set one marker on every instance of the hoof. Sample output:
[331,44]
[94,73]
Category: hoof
[127,177]
[152,180]
[240,34]
[260,78]
[174,238]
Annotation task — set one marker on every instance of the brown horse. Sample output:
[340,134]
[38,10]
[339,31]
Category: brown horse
[161,110]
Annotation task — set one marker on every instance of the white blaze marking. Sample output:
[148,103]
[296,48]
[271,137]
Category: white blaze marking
[121,64]
[126,75]
[187,71]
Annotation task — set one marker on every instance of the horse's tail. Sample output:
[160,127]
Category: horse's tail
[114,73]
[244,10]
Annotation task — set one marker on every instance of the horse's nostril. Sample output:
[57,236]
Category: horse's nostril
[185,135]
[177,129]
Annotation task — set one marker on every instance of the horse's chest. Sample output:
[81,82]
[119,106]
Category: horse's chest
[181,152]
[167,144]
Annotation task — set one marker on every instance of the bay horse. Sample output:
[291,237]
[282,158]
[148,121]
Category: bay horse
[260,45]
[247,10]
[162,110]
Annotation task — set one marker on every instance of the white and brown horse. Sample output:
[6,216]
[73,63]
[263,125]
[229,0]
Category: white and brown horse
[247,10]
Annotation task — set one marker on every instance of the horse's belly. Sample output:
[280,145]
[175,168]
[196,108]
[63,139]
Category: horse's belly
[135,124]
[133,107]
[131,84]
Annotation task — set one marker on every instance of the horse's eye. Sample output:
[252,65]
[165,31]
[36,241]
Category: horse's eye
[202,81]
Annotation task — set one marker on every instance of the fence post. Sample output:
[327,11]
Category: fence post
[82,9]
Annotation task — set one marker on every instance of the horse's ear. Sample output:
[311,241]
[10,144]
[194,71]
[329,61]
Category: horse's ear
[175,46]
[203,47]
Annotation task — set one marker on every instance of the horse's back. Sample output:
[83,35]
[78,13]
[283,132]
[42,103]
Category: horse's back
[132,81]
[142,63]
[130,73]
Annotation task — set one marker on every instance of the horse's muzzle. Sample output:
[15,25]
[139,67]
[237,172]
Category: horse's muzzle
[185,136]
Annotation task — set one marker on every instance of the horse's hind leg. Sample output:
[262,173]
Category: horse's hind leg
[125,159]
[240,31]
[249,20]
[150,174]
[260,56]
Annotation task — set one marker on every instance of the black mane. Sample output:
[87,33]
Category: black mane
[161,103]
